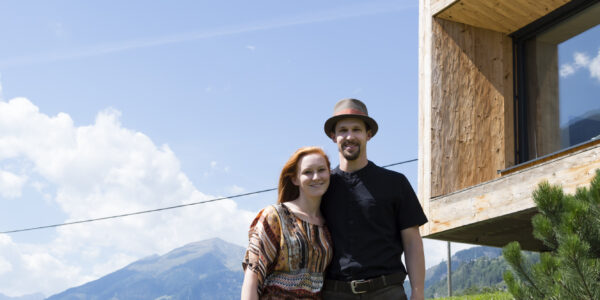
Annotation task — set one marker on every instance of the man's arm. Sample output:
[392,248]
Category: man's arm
[415,261]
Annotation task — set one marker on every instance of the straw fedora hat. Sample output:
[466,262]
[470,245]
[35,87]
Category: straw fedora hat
[350,108]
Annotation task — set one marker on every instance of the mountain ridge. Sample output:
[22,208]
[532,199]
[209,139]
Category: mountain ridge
[211,269]
[198,270]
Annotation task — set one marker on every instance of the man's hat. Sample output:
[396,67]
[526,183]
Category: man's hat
[350,108]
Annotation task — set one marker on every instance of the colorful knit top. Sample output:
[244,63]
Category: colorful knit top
[288,254]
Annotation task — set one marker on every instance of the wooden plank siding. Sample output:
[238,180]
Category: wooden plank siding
[498,15]
[466,123]
[488,213]
[471,106]
[439,5]
[424,163]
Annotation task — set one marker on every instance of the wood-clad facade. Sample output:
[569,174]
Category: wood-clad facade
[471,184]
[471,105]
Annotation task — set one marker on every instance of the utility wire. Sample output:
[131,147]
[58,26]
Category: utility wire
[139,212]
[164,208]
[399,163]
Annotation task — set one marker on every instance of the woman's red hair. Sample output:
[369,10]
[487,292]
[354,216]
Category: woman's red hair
[287,190]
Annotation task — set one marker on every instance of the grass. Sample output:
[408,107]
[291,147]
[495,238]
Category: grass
[489,296]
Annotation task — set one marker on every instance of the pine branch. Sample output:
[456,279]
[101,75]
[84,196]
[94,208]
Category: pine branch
[572,250]
[512,254]
[570,226]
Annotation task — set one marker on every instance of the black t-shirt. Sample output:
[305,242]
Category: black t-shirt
[365,212]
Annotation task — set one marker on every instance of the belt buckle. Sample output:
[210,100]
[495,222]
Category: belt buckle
[354,283]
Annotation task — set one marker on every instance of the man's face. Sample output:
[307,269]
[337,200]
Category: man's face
[351,136]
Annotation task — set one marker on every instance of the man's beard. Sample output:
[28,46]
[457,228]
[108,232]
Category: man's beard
[351,156]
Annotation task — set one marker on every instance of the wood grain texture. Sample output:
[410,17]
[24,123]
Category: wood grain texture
[505,16]
[439,5]
[424,163]
[471,106]
[497,200]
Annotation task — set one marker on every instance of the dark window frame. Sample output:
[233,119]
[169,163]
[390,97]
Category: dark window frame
[520,38]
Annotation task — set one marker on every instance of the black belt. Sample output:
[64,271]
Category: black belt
[363,285]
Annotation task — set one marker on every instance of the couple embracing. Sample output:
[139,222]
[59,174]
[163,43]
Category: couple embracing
[337,234]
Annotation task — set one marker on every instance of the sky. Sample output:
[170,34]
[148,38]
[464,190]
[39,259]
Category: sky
[112,107]
[579,76]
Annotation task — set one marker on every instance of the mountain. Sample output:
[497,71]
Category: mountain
[435,277]
[473,270]
[209,269]
[37,296]
[438,272]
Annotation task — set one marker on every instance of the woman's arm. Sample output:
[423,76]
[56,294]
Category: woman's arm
[250,285]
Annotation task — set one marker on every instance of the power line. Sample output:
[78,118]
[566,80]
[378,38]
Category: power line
[163,208]
[139,212]
[399,163]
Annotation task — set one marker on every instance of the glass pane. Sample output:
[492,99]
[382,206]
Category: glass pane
[579,87]
[563,84]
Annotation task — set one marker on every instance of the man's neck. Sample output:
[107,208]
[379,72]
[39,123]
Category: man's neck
[350,166]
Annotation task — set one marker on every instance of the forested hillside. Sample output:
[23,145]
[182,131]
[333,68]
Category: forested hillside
[474,270]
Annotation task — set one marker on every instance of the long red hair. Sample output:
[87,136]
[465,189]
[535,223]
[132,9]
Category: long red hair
[287,190]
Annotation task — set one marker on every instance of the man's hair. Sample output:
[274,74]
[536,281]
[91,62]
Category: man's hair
[287,190]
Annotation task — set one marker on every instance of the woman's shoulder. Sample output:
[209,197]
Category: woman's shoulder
[272,209]
[270,213]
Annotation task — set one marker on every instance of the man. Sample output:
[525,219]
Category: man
[373,215]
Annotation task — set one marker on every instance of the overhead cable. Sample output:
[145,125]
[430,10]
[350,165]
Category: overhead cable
[164,208]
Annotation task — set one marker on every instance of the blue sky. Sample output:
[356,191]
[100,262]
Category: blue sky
[579,81]
[110,107]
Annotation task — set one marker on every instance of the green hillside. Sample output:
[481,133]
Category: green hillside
[472,277]
[474,271]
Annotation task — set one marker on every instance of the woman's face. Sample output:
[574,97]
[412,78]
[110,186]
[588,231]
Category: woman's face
[313,176]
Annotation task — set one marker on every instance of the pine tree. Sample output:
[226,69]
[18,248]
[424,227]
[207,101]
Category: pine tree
[569,226]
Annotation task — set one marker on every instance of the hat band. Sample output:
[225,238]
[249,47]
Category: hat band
[349,111]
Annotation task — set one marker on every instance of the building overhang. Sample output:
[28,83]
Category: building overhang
[499,211]
[498,15]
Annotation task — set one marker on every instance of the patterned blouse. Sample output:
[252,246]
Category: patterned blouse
[288,254]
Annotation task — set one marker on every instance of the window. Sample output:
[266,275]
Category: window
[557,60]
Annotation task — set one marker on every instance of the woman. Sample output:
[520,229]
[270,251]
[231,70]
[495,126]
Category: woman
[289,246]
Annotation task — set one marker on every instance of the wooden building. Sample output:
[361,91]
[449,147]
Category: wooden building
[488,115]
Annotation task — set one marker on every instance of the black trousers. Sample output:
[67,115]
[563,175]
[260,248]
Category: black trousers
[395,292]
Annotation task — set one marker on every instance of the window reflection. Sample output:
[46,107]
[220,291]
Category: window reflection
[563,84]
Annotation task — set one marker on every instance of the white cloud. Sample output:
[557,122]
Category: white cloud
[100,170]
[11,184]
[566,70]
[582,61]
[251,48]
[5,266]
[595,67]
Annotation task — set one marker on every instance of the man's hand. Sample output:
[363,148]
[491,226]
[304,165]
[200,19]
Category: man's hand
[415,261]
